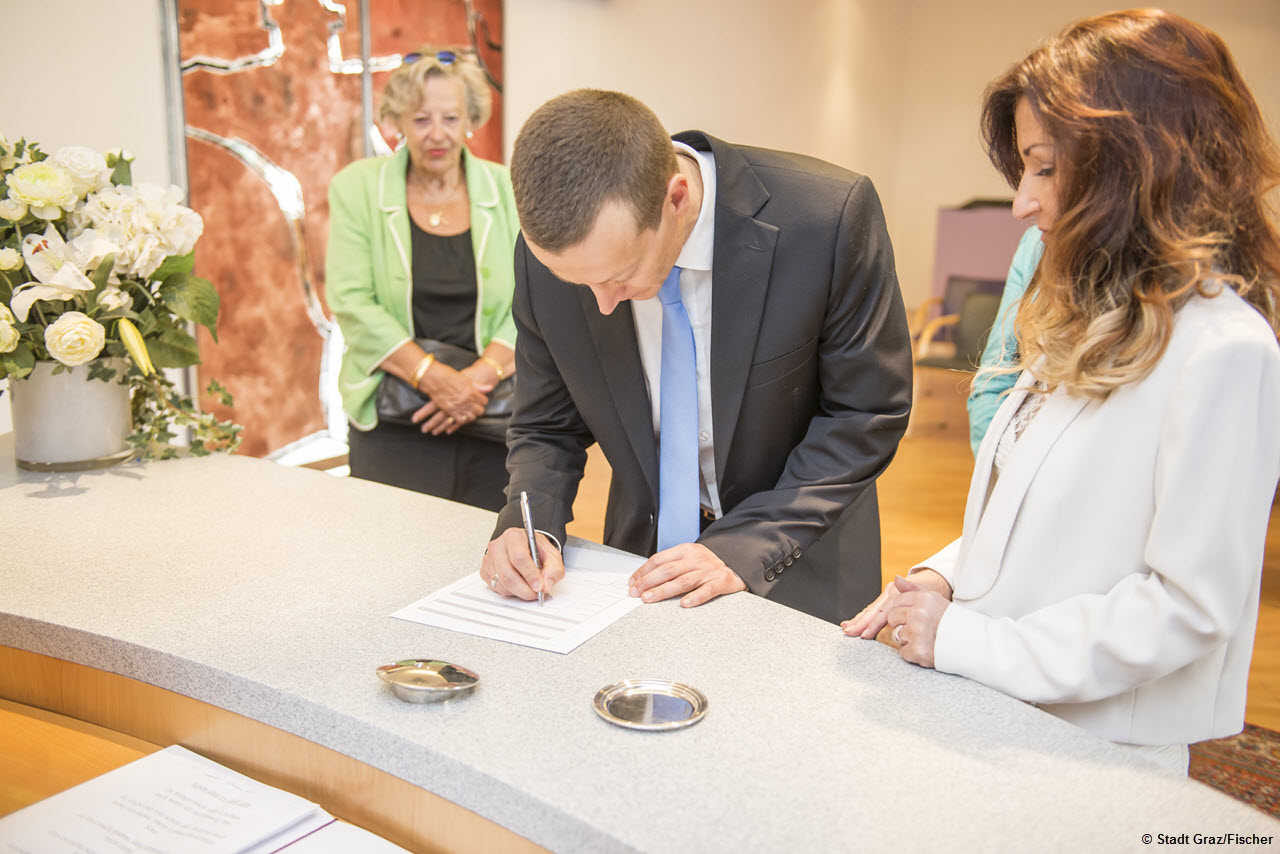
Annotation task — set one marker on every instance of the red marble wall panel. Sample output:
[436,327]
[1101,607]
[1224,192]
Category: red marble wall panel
[306,120]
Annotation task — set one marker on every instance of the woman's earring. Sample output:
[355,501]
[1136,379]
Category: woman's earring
[470,134]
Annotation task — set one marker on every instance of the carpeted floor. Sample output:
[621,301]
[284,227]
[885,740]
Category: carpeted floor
[1245,766]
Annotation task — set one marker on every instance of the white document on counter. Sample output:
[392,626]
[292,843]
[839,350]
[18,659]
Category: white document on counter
[172,800]
[590,598]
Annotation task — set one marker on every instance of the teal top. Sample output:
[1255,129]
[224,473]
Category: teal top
[369,274]
[1002,347]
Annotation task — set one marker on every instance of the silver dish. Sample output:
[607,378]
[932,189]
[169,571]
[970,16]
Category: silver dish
[425,680]
[650,704]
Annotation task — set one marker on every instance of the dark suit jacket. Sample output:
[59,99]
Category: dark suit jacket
[810,385]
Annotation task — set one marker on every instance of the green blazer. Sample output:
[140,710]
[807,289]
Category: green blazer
[369,273]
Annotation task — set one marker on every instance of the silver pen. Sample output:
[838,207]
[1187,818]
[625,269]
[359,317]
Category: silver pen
[527,515]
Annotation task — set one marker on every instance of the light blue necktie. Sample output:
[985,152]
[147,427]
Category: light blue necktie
[677,422]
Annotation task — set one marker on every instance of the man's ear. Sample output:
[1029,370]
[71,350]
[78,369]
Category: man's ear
[678,191]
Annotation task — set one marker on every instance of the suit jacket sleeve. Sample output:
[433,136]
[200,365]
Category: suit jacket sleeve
[1218,457]
[547,440]
[864,372]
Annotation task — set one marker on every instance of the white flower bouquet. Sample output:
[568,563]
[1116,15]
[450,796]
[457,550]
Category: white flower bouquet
[93,268]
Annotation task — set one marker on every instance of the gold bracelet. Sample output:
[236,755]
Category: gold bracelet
[423,366]
[495,364]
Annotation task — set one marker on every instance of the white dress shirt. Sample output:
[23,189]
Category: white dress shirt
[695,291]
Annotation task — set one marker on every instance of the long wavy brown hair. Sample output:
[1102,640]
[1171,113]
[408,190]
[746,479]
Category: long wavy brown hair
[1164,167]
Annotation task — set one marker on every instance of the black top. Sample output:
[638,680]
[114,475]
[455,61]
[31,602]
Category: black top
[444,287]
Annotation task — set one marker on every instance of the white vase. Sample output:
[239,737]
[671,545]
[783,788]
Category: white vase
[68,422]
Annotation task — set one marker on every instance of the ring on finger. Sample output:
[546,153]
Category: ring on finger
[493,581]
[897,635]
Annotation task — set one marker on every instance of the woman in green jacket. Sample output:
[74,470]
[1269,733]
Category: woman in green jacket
[421,246]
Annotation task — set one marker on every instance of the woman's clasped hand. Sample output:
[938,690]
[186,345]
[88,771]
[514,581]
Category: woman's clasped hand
[905,615]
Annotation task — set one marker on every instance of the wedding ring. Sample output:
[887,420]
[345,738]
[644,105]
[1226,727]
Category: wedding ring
[493,582]
[897,635]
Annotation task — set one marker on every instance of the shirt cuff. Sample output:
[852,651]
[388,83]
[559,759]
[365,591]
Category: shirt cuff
[551,537]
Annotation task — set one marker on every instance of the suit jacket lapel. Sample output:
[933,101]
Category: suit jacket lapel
[987,529]
[614,337]
[741,264]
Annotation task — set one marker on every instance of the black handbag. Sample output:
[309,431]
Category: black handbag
[397,400]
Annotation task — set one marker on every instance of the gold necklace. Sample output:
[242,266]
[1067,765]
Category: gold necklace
[435,218]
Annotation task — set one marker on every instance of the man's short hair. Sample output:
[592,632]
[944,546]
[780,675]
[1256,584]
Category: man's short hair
[580,150]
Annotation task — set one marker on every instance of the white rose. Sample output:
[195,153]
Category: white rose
[12,209]
[113,298]
[46,187]
[75,338]
[10,259]
[7,160]
[88,168]
[8,332]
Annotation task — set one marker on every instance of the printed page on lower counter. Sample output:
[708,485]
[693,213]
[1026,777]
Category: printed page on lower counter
[592,596]
[177,800]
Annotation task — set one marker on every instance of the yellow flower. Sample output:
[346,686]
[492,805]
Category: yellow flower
[45,187]
[74,338]
[132,340]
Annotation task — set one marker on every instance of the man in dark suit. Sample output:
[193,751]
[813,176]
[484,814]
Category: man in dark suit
[726,322]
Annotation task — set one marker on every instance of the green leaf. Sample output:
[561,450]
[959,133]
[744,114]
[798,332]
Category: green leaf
[20,362]
[192,298]
[122,174]
[173,349]
[102,272]
[98,370]
[174,264]
[99,278]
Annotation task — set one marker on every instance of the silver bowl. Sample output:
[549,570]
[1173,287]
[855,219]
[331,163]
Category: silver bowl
[427,680]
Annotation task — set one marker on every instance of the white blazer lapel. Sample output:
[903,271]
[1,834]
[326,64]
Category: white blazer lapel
[989,520]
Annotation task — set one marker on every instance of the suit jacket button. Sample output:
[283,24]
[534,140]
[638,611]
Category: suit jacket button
[650,518]
[796,553]
[788,562]
[768,575]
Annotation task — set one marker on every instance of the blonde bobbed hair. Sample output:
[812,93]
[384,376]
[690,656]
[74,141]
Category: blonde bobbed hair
[403,92]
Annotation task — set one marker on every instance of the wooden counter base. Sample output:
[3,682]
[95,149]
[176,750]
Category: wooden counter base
[349,789]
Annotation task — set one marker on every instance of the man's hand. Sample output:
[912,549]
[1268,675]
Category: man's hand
[508,568]
[689,568]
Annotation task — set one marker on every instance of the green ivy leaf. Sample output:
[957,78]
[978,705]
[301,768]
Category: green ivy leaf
[192,298]
[98,370]
[173,348]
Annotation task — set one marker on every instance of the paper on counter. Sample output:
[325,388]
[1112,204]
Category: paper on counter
[591,597]
[171,800]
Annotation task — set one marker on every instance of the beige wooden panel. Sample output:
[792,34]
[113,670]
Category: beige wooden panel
[349,789]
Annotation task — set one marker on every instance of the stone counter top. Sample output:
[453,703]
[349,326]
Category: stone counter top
[267,591]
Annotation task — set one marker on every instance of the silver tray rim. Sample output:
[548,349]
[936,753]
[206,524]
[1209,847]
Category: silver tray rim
[425,693]
[665,687]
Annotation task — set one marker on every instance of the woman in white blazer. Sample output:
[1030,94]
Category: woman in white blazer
[1112,547]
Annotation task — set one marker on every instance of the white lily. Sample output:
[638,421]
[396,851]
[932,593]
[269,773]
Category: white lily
[58,275]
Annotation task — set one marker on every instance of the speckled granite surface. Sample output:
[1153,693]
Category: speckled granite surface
[267,591]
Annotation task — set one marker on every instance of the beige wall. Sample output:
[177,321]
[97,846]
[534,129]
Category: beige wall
[891,89]
[886,88]
[803,76]
[953,51]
